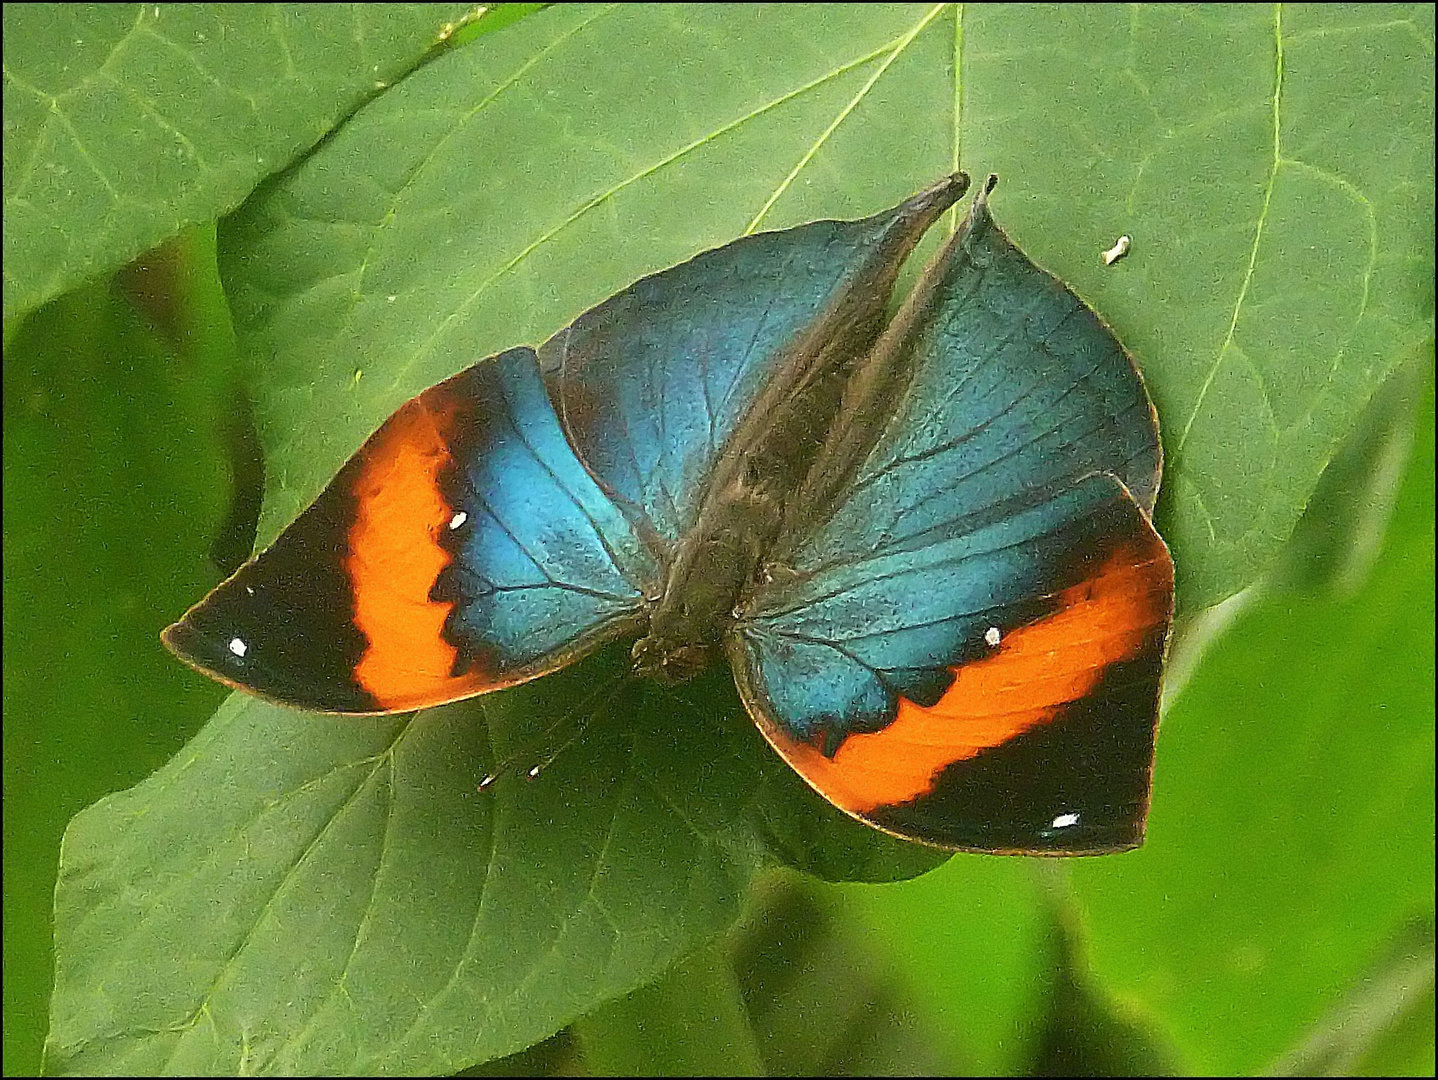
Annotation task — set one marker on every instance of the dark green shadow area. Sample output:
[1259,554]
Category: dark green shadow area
[115,482]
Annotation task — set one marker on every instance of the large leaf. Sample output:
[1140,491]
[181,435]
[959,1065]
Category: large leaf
[491,197]
[297,893]
[125,122]
[435,924]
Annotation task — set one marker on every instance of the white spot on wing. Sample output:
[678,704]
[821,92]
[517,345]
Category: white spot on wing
[238,646]
[992,637]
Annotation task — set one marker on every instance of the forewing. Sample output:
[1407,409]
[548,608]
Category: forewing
[461,549]
[967,648]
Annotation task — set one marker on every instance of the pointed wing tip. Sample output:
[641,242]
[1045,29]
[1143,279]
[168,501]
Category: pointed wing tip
[956,184]
[933,200]
[979,210]
[192,647]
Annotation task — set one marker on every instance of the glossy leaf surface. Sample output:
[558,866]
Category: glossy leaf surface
[126,122]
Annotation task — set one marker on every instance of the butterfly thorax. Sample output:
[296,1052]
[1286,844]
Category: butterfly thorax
[709,573]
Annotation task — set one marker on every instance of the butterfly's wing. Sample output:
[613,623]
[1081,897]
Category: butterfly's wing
[963,645]
[654,383]
[462,548]
[465,547]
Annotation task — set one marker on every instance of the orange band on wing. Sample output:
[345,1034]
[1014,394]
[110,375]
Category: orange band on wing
[394,559]
[1034,673]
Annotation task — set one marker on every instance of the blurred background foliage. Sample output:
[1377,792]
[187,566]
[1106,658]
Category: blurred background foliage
[1279,919]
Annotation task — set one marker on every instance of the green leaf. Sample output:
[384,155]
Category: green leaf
[1273,166]
[126,122]
[685,1024]
[974,942]
[436,924]
[1384,1025]
[1339,536]
[818,995]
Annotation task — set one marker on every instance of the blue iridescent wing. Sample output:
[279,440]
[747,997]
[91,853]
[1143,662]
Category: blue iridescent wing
[462,548]
[962,643]
[655,382]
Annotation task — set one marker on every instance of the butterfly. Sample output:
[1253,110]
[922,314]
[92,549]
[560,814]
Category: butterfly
[922,542]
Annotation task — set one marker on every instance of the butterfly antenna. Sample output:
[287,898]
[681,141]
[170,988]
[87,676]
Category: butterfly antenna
[581,708]
[620,686]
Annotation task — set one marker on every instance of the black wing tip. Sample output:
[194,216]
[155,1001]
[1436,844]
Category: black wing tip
[228,661]
[979,211]
[926,205]
[954,186]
